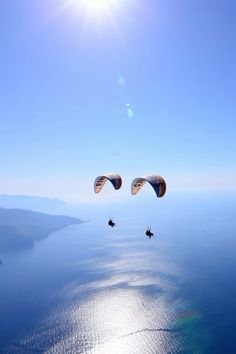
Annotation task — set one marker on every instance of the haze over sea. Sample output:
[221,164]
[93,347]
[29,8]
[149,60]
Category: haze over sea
[94,289]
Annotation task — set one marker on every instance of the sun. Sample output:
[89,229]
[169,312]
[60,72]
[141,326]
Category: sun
[99,8]
[98,13]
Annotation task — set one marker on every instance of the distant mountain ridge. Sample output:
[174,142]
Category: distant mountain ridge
[20,229]
[30,202]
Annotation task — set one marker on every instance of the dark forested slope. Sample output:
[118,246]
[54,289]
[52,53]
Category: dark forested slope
[19,229]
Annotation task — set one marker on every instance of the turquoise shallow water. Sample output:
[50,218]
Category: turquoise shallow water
[93,289]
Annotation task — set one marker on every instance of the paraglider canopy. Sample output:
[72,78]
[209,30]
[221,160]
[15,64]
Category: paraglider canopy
[157,182]
[114,178]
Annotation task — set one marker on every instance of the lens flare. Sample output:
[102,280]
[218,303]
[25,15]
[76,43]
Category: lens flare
[121,80]
[130,112]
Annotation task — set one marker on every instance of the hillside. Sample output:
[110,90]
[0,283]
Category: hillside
[20,229]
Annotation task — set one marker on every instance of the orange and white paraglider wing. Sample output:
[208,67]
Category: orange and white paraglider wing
[114,178]
[157,182]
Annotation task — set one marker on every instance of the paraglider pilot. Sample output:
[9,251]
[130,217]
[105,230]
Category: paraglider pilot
[111,223]
[149,233]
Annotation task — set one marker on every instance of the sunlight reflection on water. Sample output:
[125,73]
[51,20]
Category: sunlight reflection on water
[116,317]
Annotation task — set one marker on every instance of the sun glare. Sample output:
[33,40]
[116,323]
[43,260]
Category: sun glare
[92,12]
[98,8]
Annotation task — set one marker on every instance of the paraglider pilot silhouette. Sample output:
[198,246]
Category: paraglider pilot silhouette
[99,182]
[149,233]
[111,223]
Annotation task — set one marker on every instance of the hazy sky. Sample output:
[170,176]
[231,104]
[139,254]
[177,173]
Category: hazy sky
[131,86]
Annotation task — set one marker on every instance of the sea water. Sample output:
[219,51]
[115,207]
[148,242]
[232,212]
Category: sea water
[94,289]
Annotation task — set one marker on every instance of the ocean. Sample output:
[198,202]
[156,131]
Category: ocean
[94,289]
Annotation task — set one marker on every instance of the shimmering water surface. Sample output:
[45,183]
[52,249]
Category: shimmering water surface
[93,289]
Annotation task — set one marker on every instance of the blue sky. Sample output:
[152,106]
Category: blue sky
[63,108]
